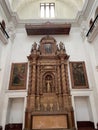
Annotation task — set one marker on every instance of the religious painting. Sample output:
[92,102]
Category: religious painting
[78,75]
[48,48]
[18,76]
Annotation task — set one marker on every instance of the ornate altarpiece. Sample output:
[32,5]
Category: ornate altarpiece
[49,101]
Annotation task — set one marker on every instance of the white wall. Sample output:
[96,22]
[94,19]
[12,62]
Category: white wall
[92,50]
[82,109]
[15,110]
[23,43]
[2,15]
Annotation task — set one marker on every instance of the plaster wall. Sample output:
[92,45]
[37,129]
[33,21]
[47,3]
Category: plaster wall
[16,110]
[2,15]
[82,106]
[92,50]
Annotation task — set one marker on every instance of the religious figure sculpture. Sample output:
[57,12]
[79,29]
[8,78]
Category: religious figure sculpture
[34,47]
[48,82]
[61,45]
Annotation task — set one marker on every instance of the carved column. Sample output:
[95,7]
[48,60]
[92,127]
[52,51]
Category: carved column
[65,101]
[41,89]
[38,79]
[60,101]
[30,78]
[66,78]
[38,90]
[56,83]
[63,75]
[59,81]
[33,76]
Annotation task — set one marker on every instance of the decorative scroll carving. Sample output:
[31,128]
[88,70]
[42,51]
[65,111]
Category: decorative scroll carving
[48,80]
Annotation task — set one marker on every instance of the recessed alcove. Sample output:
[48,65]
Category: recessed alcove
[83,109]
[15,111]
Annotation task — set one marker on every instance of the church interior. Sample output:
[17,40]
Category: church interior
[48,65]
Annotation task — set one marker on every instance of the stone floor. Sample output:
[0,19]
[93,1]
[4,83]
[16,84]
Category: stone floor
[86,128]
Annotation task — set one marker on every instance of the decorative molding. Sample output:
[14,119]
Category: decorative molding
[3,38]
[83,30]
[11,30]
[47,29]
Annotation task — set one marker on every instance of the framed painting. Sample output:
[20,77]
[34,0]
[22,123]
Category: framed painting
[78,75]
[18,76]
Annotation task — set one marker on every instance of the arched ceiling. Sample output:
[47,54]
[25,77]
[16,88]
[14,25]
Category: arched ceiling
[18,4]
[72,7]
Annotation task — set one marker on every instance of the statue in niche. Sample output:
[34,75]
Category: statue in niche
[48,86]
[48,81]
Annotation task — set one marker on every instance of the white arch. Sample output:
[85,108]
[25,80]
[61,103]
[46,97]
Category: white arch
[18,4]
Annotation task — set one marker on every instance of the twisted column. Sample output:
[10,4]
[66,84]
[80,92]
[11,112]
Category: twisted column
[38,79]
[33,76]
[59,79]
[40,88]
[63,75]
[30,79]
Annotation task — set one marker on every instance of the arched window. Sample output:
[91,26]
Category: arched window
[47,10]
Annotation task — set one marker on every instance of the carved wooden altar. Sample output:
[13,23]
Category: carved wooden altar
[49,101]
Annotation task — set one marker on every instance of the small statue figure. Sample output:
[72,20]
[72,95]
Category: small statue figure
[48,86]
[61,45]
[34,47]
[38,47]
[57,47]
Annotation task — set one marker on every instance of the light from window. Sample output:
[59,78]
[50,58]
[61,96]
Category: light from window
[47,10]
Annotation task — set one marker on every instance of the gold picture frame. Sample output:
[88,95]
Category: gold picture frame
[78,75]
[18,76]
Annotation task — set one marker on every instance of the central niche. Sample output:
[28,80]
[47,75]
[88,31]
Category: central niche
[48,83]
[48,91]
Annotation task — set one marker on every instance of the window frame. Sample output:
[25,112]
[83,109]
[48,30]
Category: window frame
[45,8]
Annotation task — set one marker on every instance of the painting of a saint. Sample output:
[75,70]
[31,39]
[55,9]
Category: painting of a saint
[78,75]
[18,75]
[48,48]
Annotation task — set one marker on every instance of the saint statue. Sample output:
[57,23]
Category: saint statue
[34,46]
[61,45]
[48,82]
